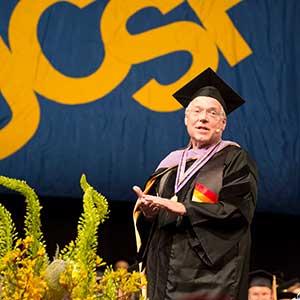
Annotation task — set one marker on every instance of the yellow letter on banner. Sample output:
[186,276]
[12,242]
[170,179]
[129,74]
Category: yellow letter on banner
[49,81]
[19,73]
[25,69]
[220,28]
[179,36]
[22,102]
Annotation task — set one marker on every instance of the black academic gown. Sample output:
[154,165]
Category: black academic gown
[206,251]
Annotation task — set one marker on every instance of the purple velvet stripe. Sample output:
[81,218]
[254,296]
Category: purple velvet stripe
[183,177]
[180,157]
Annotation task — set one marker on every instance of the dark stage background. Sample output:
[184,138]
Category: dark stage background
[275,237]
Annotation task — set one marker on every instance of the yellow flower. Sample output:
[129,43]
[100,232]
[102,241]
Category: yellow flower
[27,241]
[41,251]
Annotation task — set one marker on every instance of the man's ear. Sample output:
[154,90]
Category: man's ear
[224,124]
[185,120]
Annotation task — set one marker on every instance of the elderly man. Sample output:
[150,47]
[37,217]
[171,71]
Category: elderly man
[194,215]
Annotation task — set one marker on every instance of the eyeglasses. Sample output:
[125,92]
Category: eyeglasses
[210,113]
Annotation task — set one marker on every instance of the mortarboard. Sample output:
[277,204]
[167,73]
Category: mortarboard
[260,278]
[209,84]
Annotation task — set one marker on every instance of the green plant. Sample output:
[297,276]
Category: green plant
[7,231]
[27,273]
[120,284]
[79,277]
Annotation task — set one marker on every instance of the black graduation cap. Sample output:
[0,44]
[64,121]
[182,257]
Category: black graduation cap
[209,84]
[260,278]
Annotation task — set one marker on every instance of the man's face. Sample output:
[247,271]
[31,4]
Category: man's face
[121,264]
[205,121]
[260,293]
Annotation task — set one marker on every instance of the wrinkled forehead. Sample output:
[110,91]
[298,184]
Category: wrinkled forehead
[205,102]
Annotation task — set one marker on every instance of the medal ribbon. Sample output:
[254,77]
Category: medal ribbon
[182,176]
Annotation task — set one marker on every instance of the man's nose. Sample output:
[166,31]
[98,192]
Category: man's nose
[203,116]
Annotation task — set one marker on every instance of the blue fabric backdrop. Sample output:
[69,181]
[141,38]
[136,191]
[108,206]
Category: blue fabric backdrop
[116,141]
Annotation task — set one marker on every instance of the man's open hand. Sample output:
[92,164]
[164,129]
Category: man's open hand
[150,205]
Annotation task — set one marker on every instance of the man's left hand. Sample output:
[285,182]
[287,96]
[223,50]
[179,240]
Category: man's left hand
[172,206]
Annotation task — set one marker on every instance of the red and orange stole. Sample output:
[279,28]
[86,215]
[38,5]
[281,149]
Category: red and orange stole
[202,194]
